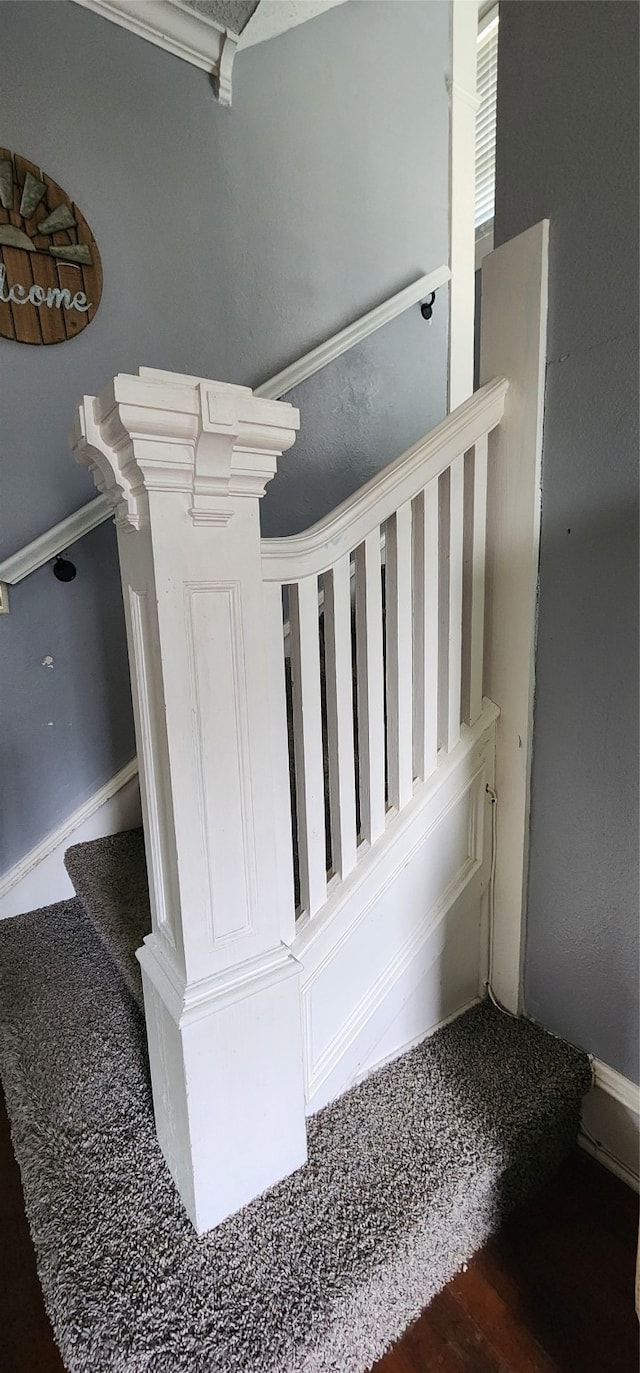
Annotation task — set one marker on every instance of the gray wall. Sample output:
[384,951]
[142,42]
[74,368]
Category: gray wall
[568,149]
[232,241]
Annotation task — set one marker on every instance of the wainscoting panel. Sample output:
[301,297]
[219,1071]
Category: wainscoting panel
[397,959]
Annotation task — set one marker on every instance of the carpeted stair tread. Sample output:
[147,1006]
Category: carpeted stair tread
[110,877]
[407,1175]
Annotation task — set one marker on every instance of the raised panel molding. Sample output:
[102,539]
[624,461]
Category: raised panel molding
[154,779]
[399,925]
[221,749]
[320,1065]
[318,1069]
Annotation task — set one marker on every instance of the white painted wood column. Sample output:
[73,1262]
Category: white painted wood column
[513,344]
[185,463]
[462,164]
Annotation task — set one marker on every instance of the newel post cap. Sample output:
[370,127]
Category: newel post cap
[166,432]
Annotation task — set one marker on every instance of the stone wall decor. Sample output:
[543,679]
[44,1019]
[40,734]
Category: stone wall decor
[50,268]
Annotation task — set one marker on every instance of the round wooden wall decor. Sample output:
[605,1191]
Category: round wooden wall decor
[50,269]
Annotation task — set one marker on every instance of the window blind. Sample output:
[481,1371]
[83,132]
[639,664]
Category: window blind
[487,87]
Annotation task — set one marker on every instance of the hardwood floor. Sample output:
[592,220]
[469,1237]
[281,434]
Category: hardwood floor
[552,1293]
[26,1341]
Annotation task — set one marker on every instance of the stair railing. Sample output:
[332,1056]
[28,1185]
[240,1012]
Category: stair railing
[228,976]
[184,463]
[384,644]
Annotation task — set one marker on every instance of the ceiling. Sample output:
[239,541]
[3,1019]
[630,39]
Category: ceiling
[272,17]
[258,20]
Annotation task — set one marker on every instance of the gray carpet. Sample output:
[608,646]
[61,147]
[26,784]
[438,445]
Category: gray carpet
[110,877]
[407,1175]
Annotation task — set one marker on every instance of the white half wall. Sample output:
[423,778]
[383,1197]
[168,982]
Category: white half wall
[40,878]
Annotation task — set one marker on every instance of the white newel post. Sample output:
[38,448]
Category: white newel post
[186,463]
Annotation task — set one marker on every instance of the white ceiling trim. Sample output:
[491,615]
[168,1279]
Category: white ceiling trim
[196,38]
[178,29]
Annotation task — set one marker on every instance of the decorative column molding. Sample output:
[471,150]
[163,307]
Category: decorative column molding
[184,463]
[222,441]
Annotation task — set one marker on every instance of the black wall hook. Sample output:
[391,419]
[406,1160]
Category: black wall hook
[63,569]
[426,309]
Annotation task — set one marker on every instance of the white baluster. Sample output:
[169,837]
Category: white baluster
[339,688]
[371,742]
[426,583]
[478,578]
[277,693]
[307,736]
[399,656]
[454,622]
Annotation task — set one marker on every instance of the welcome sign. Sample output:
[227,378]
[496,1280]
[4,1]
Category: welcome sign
[50,269]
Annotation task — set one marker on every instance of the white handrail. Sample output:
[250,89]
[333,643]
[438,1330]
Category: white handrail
[48,545]
[319,357]
[289,559]
[74,527]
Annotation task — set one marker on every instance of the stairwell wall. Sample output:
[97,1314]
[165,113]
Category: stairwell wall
[567,149]
[232,241]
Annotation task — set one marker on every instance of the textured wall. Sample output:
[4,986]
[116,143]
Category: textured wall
[568,149]
[232,241]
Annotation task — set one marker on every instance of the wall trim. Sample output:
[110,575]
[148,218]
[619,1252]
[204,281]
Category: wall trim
[182,31]
[616,1086]
[610,1130]
[40,878]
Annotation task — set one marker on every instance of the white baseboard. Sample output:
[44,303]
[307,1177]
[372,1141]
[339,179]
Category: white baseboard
[611,1123]
[40,878]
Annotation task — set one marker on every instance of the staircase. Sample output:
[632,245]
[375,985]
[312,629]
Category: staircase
[334,735]
[263,1104]
[110,877]
[407,1173]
